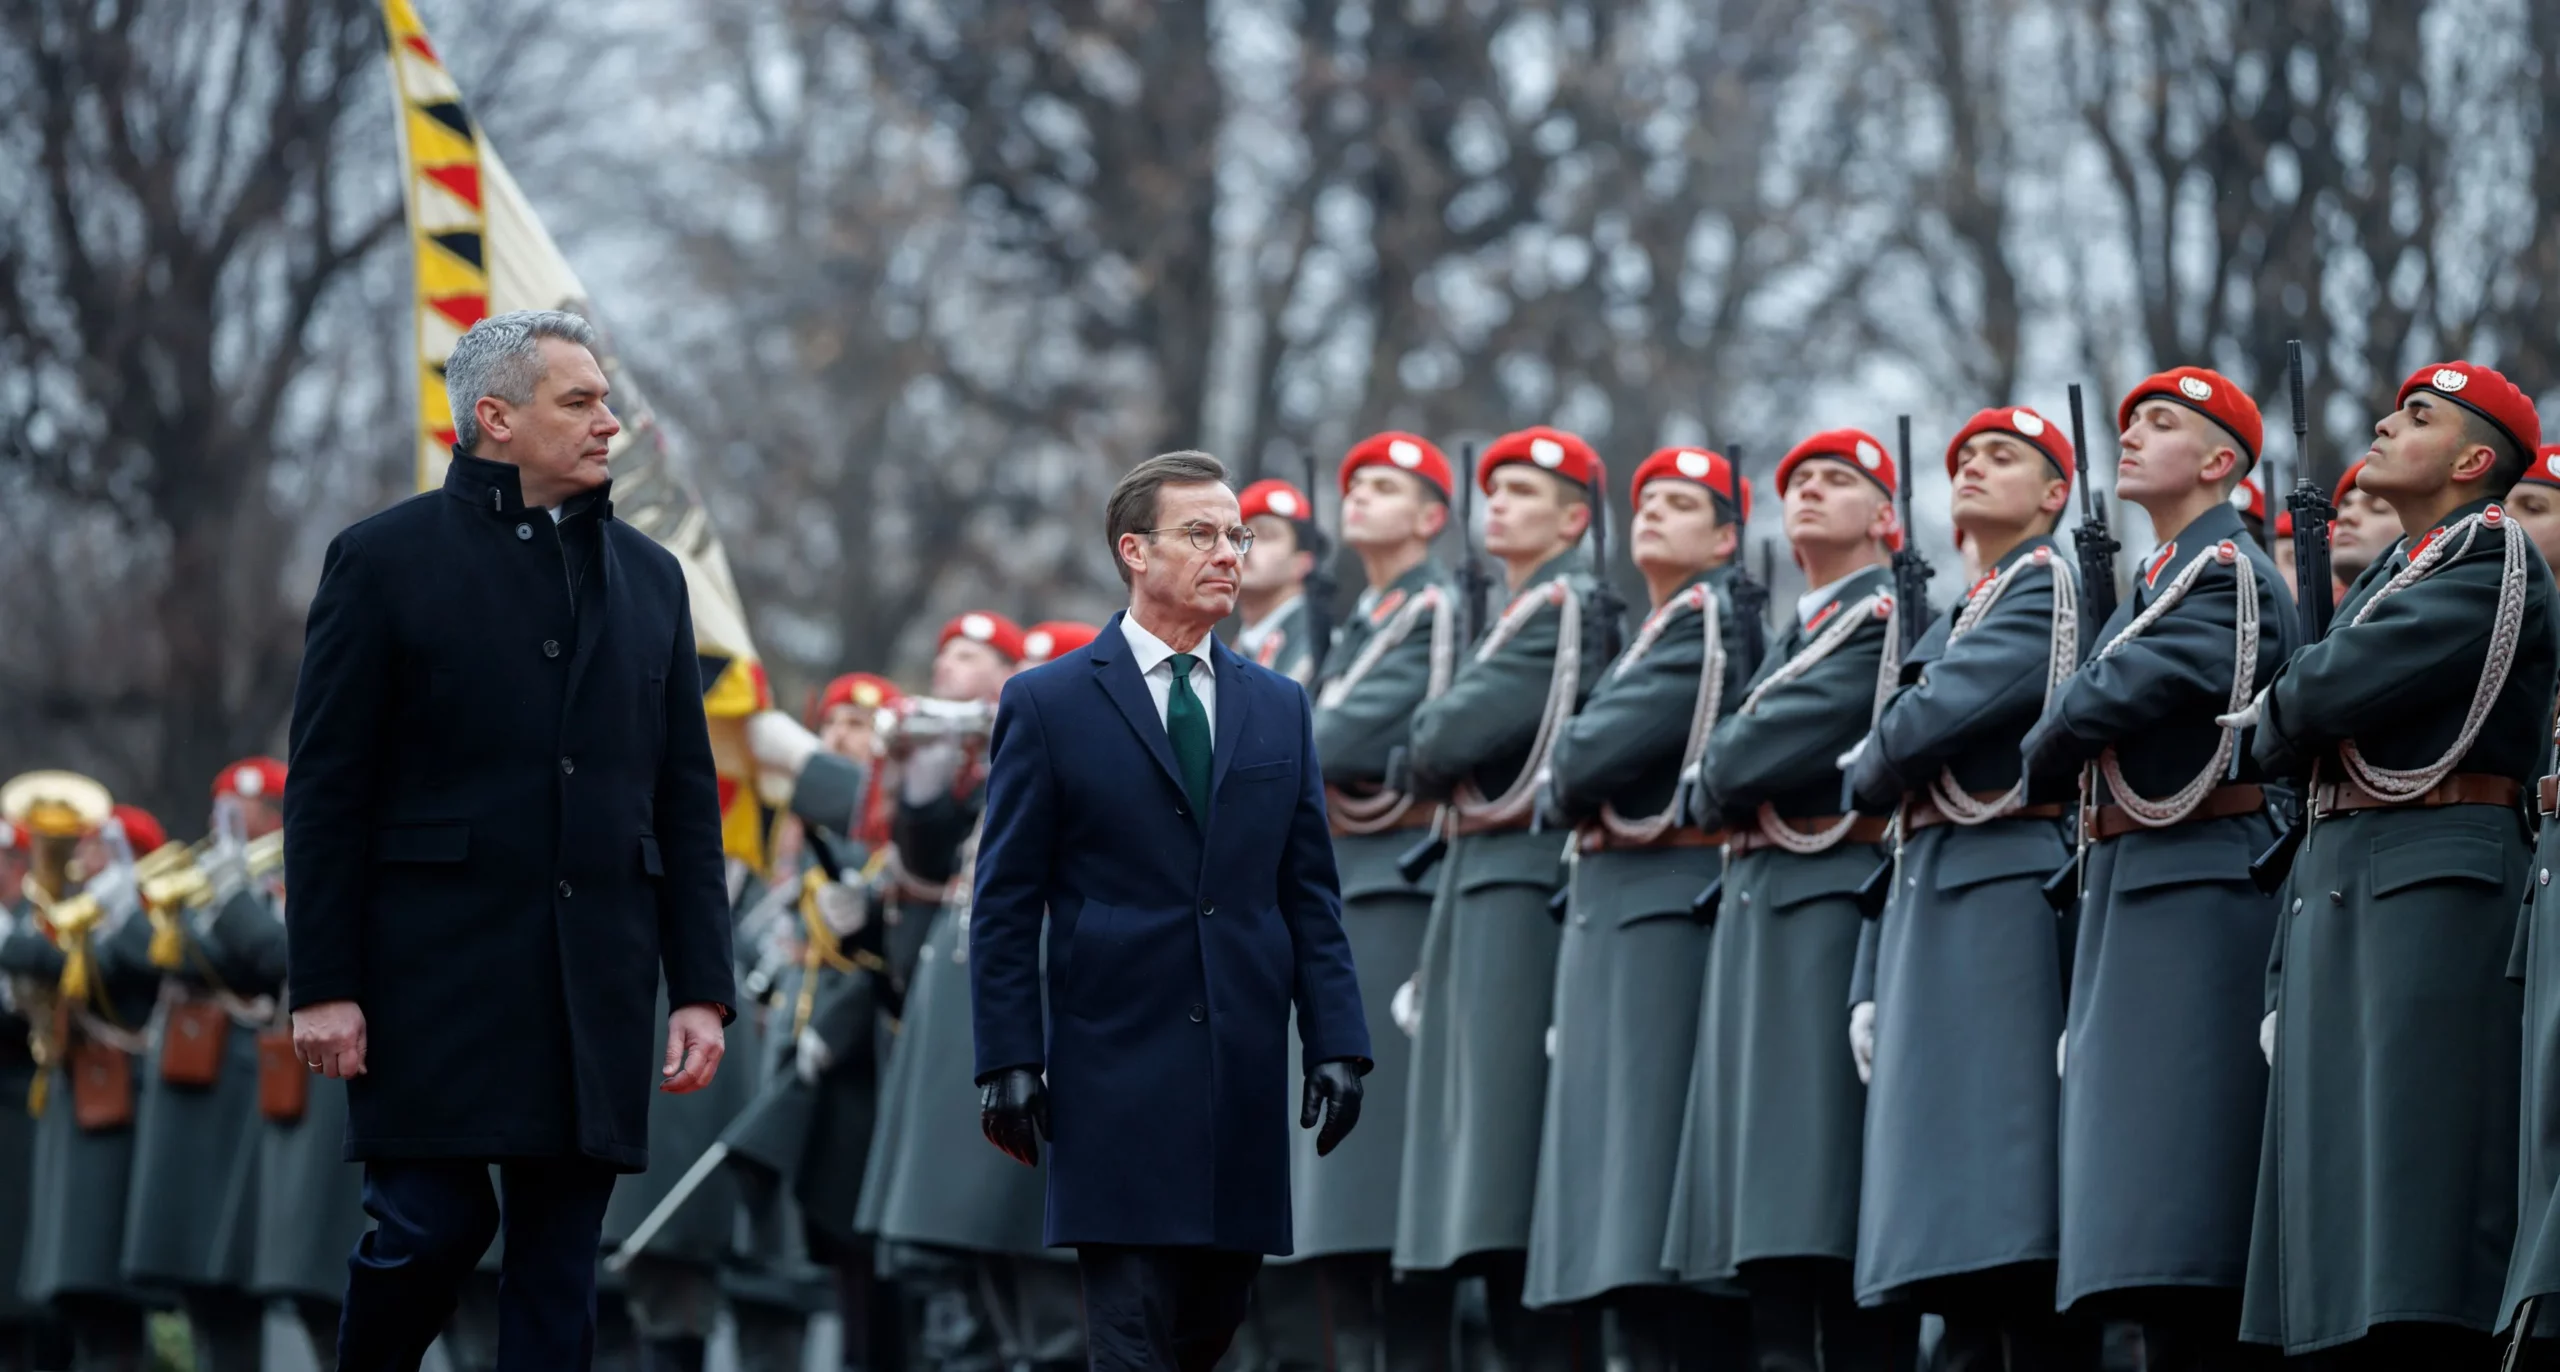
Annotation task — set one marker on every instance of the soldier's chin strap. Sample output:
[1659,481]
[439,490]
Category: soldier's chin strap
[2394,784]
[2062,657]
[2244,676]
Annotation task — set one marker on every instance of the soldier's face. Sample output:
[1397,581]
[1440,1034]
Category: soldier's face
[848,731]
[2537,508]
[1197,584]
[1387,509]
[2365,528]
[1526,515]
[557,440]
[259,816]
[1831,506]
[1275,563]
[966,669]
[2002,483]
[2168,451]
[1677,529]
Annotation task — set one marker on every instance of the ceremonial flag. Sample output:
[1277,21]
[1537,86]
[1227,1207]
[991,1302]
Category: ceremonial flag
[480,250]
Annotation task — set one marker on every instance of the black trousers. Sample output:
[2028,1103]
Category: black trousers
[2002,1320]
[1805,1318]
[433,1220]
[2410,1347]
[1162,1309]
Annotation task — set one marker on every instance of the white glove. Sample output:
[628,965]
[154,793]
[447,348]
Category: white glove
[2247,716]
[928,772]
[1551,1043]
[1406,1008]
[2267,1037]
[811,1060]
[1862,1039]
[1848,761]
[2061,1045]
[843,908]
[781,748]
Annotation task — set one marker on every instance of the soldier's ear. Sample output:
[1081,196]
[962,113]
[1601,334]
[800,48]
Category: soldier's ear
[2057,494]
[1435,517]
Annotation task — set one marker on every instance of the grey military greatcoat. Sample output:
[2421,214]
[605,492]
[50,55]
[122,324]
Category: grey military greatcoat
[1633,960]
[1487,972]
[2386,1175]
[2163,1087]
[1769,1161]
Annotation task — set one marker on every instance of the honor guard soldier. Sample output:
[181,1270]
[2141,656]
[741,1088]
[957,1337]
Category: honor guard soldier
[2160,1109]
[2534,1275]
[1054,638]
[1397,651]
[1273,598]
[79,963]
[958,1223]
[1965,969]
[1632,961]
[1487,972]
[1768,1186]
[2385,1210]
[190,1222]
[2365,529]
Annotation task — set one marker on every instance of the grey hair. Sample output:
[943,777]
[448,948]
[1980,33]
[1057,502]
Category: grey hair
[501,356]
[1133,502]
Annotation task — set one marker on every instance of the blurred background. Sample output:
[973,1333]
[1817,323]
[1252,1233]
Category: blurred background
[910,282]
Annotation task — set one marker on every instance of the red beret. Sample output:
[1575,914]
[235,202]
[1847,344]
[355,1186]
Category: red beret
[2545,468]
[1406,453]
[2021,423]
[1862,451]
[1055,638]
[861,690]
[251,778]
[1709,469]
[987,627]
[1548,449]
[2208,393]
[142,833]
[2347,482]
[2484,393]
[1277,498]
[2249,499]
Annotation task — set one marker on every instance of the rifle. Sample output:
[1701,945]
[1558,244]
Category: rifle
[1319,591]
[1603,607]
[1750,597]
[2094,543]
[1910,621]
[2313,597]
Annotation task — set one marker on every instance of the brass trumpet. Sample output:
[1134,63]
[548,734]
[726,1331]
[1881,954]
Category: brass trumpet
[915,722]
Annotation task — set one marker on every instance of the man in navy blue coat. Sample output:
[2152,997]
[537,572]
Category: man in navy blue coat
[1155,798]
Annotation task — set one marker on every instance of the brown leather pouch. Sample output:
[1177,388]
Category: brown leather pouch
[101,1087]
[192,1035]
[284,1083]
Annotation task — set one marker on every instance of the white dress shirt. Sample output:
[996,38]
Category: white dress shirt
[1155,663]
[1811,602]
[1249,642]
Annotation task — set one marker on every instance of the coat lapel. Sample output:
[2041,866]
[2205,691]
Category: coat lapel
[1232,704]
[1115,670]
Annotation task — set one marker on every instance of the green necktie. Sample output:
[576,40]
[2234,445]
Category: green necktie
[1187,722]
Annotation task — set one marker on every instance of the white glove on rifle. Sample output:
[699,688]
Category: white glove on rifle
[810,1058]
[843,908]
[1406,1008]
[1862,1039]
[2267,1037]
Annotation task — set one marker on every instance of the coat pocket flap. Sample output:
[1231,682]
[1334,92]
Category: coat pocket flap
[1667,889]
[650,862]
[1836,875]
[2190,855]
[422,843]
[1999,851]
[1276,769]
[1512,860]
[2474,858]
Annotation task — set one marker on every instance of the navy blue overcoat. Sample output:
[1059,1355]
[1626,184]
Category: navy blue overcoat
[1175,948]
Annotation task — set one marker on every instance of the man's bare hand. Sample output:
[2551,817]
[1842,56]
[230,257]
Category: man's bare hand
[694,1046]
[329,1038]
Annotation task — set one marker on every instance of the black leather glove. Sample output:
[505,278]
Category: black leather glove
[1335,1086]
[1013,1112]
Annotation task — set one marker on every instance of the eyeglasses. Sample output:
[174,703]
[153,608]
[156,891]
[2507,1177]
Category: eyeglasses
[1205,538]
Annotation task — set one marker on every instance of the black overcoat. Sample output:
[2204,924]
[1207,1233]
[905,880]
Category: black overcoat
[503,825]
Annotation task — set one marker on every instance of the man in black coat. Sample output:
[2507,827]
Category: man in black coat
[503,829]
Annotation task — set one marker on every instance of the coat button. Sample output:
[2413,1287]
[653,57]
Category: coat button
[1199,1014]
[524,531]
[2337,897]
[2545,878]
[2297,905]
[568,766]
[551,647]
[1208,907]
[1746,897]
[564,890]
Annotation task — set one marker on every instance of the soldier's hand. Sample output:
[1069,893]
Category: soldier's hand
[329,1038]
[1862,1039]
[1333,1092]
[1406,1008]
[2267,1037]
[1013,1112]
[694,1046]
